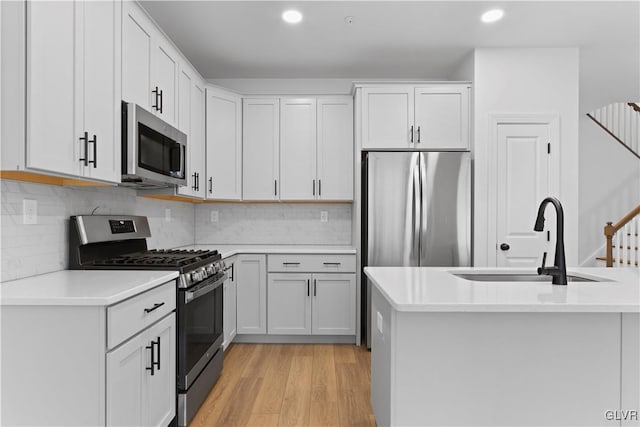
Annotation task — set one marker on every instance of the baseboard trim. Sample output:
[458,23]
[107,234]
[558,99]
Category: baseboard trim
[295,339]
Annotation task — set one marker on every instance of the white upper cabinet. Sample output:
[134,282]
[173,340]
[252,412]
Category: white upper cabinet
[387,117]
[260,140]
[191,122]
[73,88]
[335,148]
[298,149]
[426,117]
[442,117]
[224,145]
[150,65]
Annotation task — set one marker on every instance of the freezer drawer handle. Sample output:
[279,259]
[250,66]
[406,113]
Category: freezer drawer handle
[155,307]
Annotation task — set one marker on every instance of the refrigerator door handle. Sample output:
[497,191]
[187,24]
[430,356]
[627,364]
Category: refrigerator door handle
[416,208]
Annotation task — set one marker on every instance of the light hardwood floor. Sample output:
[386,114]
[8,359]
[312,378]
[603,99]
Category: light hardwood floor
[292,385]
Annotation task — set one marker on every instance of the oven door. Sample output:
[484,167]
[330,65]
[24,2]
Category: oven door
[200,329]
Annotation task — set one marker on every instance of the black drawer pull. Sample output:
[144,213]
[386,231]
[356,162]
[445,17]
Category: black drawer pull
[155,307]
[332,263]
[290,263]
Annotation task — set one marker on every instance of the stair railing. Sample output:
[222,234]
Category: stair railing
[621,120]
[622,240]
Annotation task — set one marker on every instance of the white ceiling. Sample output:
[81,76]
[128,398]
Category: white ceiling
[401,39]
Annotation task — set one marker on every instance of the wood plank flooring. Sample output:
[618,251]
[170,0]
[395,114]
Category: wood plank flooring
[291,385]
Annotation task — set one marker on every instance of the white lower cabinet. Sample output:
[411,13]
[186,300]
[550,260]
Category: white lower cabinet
[316,304]
[141,378]
[229,303]
[251,294]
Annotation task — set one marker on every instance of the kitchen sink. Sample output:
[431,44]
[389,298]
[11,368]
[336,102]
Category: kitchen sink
[517,277]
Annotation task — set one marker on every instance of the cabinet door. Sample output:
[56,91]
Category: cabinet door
[224,145]
[185,81]
[197,137]
[387,117]
[334,304]
[335,149]
[298,149]
[161,386]
[102,89]
[137,31]
[289,304]
[164,78]
[53,85]
[251,294]
[126,381]
[260,140]
[442,117]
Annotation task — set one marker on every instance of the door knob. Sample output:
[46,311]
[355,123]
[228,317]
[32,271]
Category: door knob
[504,247]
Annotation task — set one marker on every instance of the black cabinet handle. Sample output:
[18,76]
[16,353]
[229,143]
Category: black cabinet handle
[411,134]
[85,138]
[210,185]
[197,181]
[314,188]
[418,140]
[193,187]
[332,263]
[505,247]
[290,263]
[315,287]
[275,187]
[155,307]
[232,272]
[319,187]
[162,102]
[157,362]
[95,151]
[156,92]
[151,347]
[308,287]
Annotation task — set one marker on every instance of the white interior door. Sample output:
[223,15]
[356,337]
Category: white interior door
[523,171]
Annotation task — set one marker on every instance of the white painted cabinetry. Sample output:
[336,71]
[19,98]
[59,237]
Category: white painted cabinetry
[335,148]
[251,294]
[230,302]
[73,88]
[424,117]
[224,145]
[298,149]
[303,302]
[260,148]
[311,143]
[191,120]
[150,65]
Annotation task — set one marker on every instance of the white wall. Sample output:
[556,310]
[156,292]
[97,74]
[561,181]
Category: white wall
[526,81]
[27,250]
[609,174]
[273,223]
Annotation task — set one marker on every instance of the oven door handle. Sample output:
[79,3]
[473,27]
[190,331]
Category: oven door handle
[203,290]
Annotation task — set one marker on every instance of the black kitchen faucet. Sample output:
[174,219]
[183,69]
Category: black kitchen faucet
[559,269]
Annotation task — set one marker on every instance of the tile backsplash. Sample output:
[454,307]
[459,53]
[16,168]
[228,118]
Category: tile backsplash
[28,250]
[273,223]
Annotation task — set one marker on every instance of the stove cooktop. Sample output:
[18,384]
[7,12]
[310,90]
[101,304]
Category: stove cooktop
[161,258]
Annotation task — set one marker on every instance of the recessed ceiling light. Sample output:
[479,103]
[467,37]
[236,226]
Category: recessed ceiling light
[492,15]
[292,16]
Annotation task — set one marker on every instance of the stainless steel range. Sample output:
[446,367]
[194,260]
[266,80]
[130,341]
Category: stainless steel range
[118,242]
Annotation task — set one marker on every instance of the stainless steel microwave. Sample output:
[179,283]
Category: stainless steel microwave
[153,152]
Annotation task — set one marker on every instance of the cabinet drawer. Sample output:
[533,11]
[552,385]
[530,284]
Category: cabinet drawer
[307,263]
[131,316]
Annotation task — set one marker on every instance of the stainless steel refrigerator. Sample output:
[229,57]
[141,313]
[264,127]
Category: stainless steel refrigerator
[416,212]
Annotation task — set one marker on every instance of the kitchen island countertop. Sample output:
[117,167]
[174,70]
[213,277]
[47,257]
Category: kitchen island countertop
[430,289]
[81,287]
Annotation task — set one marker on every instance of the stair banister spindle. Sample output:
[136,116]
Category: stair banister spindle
[625,245]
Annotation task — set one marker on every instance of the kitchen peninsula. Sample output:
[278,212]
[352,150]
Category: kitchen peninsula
[447,350]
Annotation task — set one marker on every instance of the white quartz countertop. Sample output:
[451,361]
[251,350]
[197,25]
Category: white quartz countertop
[81,287]
[423,289]
[230,250]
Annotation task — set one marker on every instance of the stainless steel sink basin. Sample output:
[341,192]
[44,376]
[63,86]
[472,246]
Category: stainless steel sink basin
[516,277]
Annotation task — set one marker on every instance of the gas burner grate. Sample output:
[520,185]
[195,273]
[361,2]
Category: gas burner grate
[161,258]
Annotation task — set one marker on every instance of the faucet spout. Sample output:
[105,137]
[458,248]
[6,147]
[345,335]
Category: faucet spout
[559,269]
